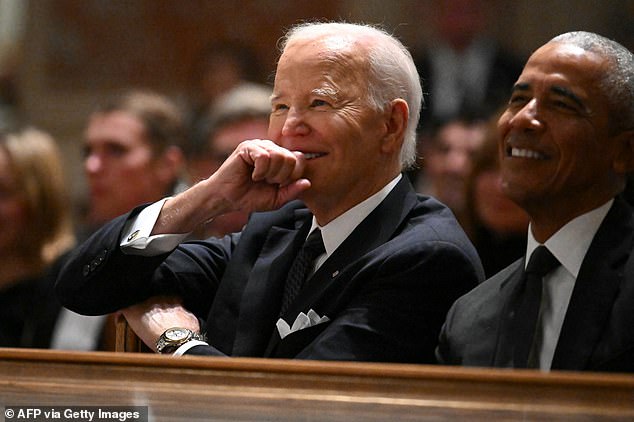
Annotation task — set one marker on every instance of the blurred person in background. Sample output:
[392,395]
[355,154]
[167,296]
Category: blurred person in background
[464,69]
[221,66]
[132,155]
[496,225]
[35,230]
[447,160]
[241,113]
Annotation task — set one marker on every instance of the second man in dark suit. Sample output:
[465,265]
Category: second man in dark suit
[566,146]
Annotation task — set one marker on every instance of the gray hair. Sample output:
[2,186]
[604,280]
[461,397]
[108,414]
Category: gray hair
[245,101]
[161,117]
[392,72]
[618,78]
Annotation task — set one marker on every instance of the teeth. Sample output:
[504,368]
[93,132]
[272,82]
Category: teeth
[526,153]
[311,155]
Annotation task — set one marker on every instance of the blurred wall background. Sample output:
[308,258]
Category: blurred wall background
[58,57]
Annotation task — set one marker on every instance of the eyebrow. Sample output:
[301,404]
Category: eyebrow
[570,95]
[520,87]
[556,89]
[326,92]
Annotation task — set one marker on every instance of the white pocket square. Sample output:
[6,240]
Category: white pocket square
[302,321]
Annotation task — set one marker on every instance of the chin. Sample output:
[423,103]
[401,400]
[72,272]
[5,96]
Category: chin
[307,195]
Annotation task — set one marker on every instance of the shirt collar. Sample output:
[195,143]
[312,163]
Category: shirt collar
[335,232]
[570,244]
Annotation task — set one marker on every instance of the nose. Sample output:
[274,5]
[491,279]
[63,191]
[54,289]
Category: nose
[458,162]
[527,117]
[295,123]
[92,163]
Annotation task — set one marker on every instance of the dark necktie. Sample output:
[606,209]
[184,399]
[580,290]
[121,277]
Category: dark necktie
[312,248]
[528,304]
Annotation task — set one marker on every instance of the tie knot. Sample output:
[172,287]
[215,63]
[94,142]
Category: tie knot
[542,262]
[314,244]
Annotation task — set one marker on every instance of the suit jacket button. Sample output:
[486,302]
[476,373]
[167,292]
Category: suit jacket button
[86,270]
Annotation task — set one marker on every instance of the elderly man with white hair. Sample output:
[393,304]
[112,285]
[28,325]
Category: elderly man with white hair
[340,259]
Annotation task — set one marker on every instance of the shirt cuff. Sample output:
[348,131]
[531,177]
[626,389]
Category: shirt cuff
[137,239]
[186,346]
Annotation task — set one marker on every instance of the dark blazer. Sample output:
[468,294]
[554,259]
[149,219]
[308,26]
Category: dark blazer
[598,329]
[386,289]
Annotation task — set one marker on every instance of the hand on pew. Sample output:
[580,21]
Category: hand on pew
[151,318]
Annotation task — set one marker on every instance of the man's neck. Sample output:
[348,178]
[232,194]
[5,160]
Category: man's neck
[327,209]
[546,222]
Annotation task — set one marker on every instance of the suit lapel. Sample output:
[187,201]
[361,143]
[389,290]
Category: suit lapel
[595,290]
[261,300]
[503,356]
[323,291]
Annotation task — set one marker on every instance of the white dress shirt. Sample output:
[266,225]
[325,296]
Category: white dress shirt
[137,239]
[338,230]
[569,245]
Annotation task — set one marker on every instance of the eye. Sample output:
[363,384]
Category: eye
[564,105]
[86,151]
[279,107]
[115,150]
[319,103]
[518,99]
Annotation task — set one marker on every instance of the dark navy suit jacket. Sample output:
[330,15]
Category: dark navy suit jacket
[386,290]
[598,329]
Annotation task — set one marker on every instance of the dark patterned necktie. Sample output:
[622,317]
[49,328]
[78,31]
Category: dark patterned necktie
[527,311]
[312,248]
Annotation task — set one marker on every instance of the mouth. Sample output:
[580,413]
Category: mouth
[524,153]
[313,155]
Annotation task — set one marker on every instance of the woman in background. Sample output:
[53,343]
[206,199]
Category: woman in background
[35,229]
[496,225]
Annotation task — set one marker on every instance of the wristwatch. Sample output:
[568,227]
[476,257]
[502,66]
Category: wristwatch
[175,337]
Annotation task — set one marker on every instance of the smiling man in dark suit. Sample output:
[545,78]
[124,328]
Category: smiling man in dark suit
[566,146]
[345,107]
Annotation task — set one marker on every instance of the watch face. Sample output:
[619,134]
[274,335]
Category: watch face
[177,334]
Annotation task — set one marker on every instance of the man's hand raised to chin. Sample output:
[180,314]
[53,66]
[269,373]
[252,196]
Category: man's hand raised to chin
[258,176]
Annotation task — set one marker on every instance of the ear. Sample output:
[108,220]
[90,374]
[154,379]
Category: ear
[395,125]
[624,159]
[169,165]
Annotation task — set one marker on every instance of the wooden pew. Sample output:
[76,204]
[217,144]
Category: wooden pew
[241,389]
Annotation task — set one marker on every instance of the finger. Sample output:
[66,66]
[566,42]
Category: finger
[298,170]
[259,158]
[292,191]
[276,166]
[281,169]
